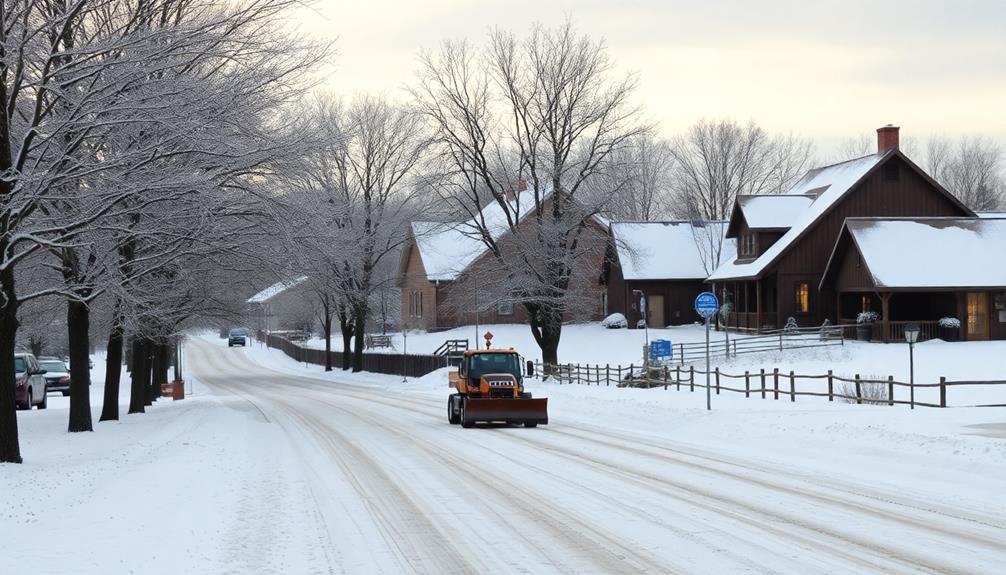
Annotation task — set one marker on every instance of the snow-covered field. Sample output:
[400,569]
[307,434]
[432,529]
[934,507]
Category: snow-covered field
[273,466]
[590,343]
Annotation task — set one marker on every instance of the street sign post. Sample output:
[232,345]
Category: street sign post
[706,305]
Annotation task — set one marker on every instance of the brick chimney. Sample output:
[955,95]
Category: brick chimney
[887,138]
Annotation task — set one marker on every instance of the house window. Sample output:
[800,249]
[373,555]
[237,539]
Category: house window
[748,245]
[504,308]
[416,304]
[802,297]
[867,304]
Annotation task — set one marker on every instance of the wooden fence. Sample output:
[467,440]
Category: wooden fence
[393,364]
[777,340]
[766,384]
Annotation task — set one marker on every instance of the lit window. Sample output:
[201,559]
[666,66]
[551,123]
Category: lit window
[802,297]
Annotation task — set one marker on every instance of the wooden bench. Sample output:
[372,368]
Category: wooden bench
[374,341]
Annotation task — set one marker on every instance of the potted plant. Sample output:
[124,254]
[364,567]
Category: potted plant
[864,325]
[950,328]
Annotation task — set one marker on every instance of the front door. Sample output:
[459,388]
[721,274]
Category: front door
[655,311]
[978,316]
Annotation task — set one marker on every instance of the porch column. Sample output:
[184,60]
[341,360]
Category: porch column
[885,321]
[758,305]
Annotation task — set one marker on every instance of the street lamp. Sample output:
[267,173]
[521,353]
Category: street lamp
[911,336]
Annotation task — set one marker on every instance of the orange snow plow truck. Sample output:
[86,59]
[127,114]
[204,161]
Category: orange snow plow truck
[490,387]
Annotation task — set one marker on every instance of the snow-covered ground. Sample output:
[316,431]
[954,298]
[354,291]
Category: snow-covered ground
[273,466]
[590,343]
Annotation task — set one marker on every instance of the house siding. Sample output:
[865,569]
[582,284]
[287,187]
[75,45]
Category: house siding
[414,280]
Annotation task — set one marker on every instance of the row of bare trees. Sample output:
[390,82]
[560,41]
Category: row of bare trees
[134,140]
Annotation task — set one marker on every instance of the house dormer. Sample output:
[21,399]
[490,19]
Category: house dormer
[757,222]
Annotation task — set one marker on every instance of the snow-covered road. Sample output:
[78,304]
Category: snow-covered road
[390,487]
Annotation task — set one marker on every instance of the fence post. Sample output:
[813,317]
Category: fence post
[747,384]
[619,373]
[859,392]
[735,348]
[890,390]
[677,377]
[943,392]
[763,383]
[780,344]
[681,353]
[717,381]
[775,376]
[792,387]
[607,374]
[831,387]
[691,378]
[666,373]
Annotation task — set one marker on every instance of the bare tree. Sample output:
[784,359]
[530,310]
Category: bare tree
[971,168]
[546,110]
[637,179]
[717,160]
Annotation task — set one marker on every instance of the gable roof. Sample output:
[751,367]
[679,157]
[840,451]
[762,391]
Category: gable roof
[447,249]
[935,253]
[275,289]
[775,212]
[830,185]
[676,250]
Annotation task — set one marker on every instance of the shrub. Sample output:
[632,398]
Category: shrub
[871,393]
[950,322]
[615,321]
[867,317]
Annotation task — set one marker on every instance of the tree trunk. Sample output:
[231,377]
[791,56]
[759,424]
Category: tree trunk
[546,327]
[326,325]
[146,366]
[113,368]
[10,449]
[162,362]
[78,318]
[359,330]
[137,389]
[346,327]
[35,343]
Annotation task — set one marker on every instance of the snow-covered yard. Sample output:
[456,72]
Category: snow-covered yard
[592,344]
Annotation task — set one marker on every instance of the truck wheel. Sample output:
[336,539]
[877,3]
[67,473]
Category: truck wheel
[464,416]
[530,424]
[525,395]
[453,417]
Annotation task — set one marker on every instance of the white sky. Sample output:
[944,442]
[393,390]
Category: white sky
[827,70]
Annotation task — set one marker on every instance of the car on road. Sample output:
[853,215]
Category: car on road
[29,383]
[237,336]
[57,375]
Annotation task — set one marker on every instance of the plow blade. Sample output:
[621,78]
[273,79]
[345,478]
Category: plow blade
[533,411]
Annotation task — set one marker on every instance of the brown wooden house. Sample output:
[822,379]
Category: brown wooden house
[666,264]
[784,242]
[441,264]
[919,270]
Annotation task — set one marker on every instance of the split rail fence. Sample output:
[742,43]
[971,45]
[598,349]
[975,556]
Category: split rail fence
[768,384]
[778,340]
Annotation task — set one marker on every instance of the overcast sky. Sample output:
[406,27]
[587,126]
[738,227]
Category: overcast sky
[828,70]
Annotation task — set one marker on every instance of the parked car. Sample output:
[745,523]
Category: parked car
[57,375]
[238,336]
[29,383]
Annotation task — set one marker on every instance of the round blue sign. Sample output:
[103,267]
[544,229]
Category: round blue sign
[706,304]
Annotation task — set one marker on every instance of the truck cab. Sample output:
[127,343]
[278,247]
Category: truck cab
[490,388]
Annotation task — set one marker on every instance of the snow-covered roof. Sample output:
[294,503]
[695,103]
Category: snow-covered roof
[447,249]
[275,289]
[670,250]
[772,212]
[991,214]
[826,186]
[932,252]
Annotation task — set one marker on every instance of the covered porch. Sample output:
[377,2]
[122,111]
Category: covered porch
[897,308]
[753,303]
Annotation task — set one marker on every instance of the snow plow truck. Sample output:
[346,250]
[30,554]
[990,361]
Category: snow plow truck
[490,388]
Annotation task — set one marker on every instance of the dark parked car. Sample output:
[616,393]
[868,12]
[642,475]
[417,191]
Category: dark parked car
[29,383]
[238,337]
[57,375]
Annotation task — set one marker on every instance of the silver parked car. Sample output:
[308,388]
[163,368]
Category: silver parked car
[57,375]
[29,383]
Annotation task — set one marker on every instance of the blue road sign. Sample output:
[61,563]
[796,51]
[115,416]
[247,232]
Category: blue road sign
[660,349]
[706,304]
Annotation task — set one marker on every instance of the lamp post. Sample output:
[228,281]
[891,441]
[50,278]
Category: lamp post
[911,336]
